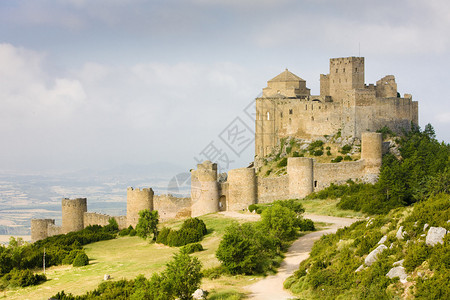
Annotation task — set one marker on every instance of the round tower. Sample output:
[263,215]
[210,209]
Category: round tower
[371,151]
[204,189]
[73,214]
[241,188]
[138,200]
[39,228]
[301,176]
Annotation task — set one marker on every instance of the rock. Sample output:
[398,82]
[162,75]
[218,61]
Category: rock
[425,227]
[199,294]
[106,277]
[382,240]
[398,263]
[398,272]
[400,233]
[435,235]
[360,268]
[391,246]
[372,257]
[369,222]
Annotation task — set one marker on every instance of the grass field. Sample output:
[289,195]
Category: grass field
[127,257]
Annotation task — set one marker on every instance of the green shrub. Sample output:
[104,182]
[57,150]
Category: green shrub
[347,158]
[68,260]
[416,253]
[306,225]
[318,152]
[196,224]
[346,149]
[282,162]
[252,207]
[81,260]
[315,144]
[328,152]
[191,248]
[337,159]
[162,235]
[22,278]
[133,232]
[297,154]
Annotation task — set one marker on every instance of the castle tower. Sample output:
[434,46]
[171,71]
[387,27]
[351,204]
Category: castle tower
[138,200]
[301,176]
[241,188]
[204,189]
[346,73]
[371,151]
[39,229]
[73,214]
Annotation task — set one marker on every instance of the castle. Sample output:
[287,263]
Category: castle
[285,109]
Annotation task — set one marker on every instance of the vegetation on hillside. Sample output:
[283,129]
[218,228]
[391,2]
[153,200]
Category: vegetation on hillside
[59,249]
[192,231]
[257,247]
[330,271]
[179,281]
[422,170]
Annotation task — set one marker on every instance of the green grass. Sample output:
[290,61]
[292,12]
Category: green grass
[127,257]
[328,207]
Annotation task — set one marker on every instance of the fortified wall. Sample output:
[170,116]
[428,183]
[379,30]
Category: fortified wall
[304,176]
[75,216]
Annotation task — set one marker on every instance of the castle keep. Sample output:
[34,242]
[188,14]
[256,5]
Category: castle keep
[345,106]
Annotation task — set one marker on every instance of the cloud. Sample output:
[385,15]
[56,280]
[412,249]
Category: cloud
[443,117]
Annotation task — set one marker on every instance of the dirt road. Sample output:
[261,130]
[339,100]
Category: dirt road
[271,287]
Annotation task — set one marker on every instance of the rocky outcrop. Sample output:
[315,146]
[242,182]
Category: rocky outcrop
[373,256]
[435,235]
[399,272]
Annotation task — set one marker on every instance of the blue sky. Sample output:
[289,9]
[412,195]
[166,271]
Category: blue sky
[102,83]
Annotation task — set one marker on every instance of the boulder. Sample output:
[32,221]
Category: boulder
[398,263]
[400,233]
[382,240]
[399,272]
[435,235]
[360,268]
[106,277]
[372,257]
[425,226]
[199,294]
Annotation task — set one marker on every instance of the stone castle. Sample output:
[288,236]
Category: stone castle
[285,109]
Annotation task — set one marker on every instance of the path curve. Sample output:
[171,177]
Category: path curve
[271,287]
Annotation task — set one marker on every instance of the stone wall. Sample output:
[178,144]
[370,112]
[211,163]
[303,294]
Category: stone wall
[92,218]
[52,230]
[272,188]
[241,188]
[170,207]
[338,173]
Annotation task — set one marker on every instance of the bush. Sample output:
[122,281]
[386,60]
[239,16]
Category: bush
[297,154]
[415,256]
[315,144]
[347,158]
[346,149]
[337,159]
[81,260]
[192,230]
[191,248]
[282,162]
[318,152]
[306,225]
[252,207]
[328,152]
[22,278]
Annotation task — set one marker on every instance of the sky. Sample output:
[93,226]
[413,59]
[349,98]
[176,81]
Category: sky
[94,84]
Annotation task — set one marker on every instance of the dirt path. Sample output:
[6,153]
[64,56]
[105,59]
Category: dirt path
[271,287]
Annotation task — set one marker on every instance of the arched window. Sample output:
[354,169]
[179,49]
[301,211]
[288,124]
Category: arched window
[268,116]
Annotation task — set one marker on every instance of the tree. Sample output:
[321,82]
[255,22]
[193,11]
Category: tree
[183,275]
[281,221]
[148,224]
